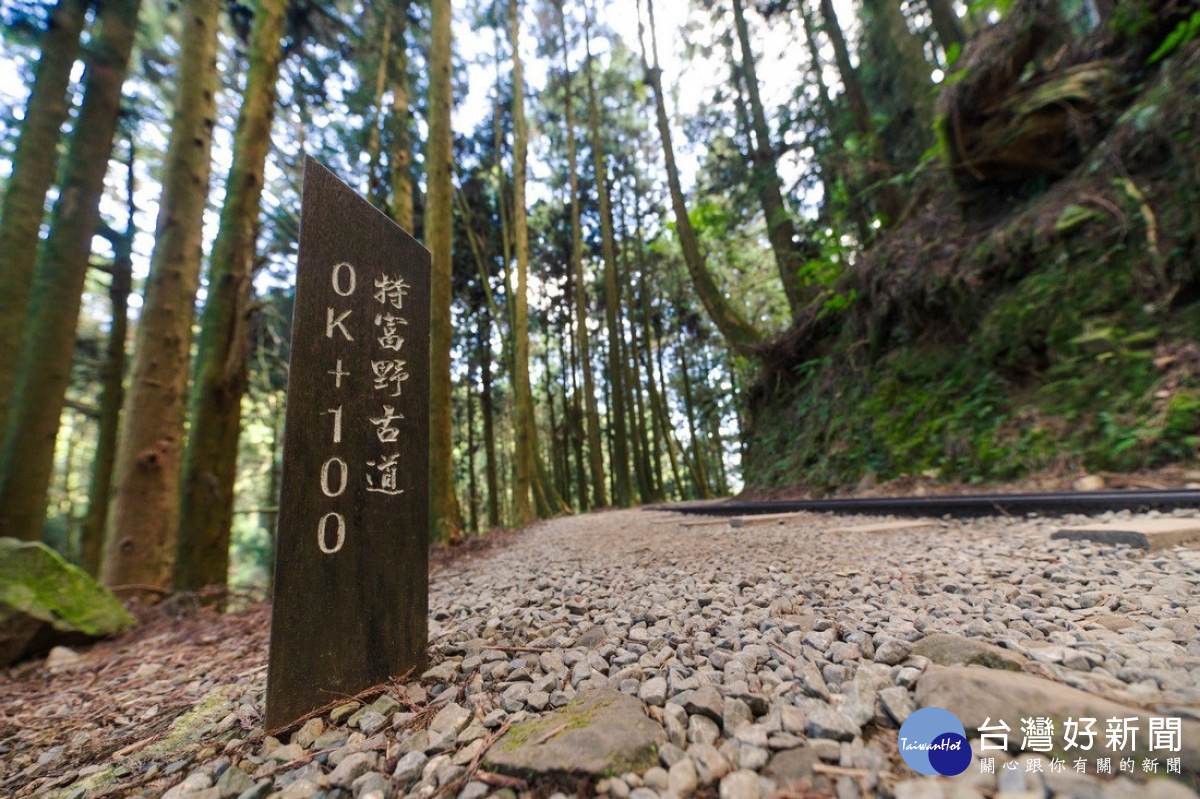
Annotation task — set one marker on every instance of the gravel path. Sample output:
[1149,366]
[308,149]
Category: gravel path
[777,658]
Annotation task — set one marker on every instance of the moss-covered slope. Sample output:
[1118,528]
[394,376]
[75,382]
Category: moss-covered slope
[1013,327]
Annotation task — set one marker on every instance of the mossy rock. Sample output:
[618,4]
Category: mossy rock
[45,601]
[946,649]
[600,734]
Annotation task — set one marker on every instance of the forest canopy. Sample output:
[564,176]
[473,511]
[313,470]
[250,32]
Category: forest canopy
[678,248]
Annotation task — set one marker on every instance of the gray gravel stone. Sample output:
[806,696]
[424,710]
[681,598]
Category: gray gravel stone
[898,703]
[705,701]
[260,789]
[445,671]
[372,722]
[675,720]
[702,730]
[452,718]
[300,789]
[351,768]
[656,778]
[654,691]
[811,681]
[669,754]
[764,644]
[371,785]
[682,778]
[741,784]
[711,765]
[233,782]
[308,733]
[735,714]
[474,790]
[827,722]
[892,652]
[408,769]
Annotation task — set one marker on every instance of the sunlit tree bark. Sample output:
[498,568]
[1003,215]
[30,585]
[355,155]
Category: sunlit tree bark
[739,333]
[622,486]
[696,462]
[400,154]
[531,475]
[145,514]
[27,460]
[112,380]
[781,232]
[635,419]
[591,414]
[376,183]
[522,392]
[878,167]
[489,428]
[663,412]
[444,512]
[31,177]
[949,28]
[222,369]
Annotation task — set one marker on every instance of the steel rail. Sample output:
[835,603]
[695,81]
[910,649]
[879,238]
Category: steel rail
[955,505]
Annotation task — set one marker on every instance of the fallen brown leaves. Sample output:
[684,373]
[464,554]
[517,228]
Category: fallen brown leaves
[122,694]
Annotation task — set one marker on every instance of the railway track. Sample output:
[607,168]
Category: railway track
[957,505]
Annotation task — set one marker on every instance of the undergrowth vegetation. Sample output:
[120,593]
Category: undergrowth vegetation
[1046,325]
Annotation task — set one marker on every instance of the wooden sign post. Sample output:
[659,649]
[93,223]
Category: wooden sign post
[351,564]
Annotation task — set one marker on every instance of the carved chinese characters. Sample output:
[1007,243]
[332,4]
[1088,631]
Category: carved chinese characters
[351,576]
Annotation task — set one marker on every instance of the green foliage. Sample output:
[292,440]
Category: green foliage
[953,52]
[825,272]
[1057,371]
[1181,34]
[1130,19]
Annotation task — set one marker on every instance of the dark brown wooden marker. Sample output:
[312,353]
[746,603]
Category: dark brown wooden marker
[351,564]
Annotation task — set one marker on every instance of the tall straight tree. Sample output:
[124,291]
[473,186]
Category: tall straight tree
[27,460]
[112,381]
[591,414]
[622,487]
[439,223]
[222,369]
[526,478]
[949,27]
[31,178]
[781,232]
[400,153]
[886,199]
[739,333]
[145,513]
[900,89]
[376,183]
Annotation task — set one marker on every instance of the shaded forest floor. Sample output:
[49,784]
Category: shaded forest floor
[67,717]
[124,702]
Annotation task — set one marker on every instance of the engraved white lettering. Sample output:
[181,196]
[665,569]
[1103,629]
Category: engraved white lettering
[391,290]
[337,423]
[383,425]
[389,373]
[388,479]
[389,340]
[331,323]
[339,533]
[337,287]
[338,374]
[342,470]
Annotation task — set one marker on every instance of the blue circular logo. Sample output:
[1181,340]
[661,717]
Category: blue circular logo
[933,741]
